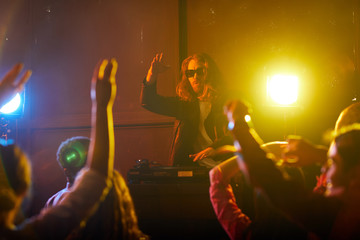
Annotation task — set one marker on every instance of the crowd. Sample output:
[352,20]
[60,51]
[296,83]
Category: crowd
[96,203]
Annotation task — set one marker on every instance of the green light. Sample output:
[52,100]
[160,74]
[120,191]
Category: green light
[71,157]
[75,156]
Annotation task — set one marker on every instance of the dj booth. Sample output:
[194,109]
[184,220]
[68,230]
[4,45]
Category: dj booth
[174,203]
[168,175]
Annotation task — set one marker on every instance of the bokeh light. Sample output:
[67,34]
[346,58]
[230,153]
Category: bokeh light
[283,89]
[11,106]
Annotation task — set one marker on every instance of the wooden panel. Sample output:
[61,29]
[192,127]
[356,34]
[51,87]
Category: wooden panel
[62,41]
[70,38]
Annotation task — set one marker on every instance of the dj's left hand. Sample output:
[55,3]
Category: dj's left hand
[208,152]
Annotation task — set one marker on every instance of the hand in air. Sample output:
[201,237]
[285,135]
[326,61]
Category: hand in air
[9,87]
[157,66]
[103,85]
[275,148]
[235,111]
[300,152]
[208,152]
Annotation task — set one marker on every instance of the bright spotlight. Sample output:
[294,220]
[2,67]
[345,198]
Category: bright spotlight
[283,89]
[14,108]
[12,105]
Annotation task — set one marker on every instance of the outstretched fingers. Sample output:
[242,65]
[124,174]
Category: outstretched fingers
[23,80]
[10,76]
[9,87]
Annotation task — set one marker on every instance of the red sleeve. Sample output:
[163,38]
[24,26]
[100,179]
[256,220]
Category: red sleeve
[230,216]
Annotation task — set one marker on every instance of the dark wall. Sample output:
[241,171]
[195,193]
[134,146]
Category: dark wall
[62,41]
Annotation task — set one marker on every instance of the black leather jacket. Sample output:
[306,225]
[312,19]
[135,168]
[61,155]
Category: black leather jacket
[187,116]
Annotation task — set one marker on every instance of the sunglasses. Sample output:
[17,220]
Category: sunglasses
[191,73]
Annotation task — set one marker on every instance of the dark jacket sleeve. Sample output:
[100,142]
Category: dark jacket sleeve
[150,100]
[225,140]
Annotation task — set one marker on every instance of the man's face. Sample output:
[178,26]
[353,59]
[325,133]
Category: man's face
[196,75]
[335,173]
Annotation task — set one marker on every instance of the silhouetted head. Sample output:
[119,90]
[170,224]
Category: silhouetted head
[15,180]
[348,116]
[344,156]
[72,156]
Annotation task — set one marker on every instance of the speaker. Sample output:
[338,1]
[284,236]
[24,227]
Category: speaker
[176,210]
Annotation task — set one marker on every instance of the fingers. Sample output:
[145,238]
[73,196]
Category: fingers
[10,78]
[96,74]
[103,85]
[158,57]
[198,157]
[235,110]
[228,110]
[12,74]
[292,162]
[113,70]
[20,85]
[102,68]
[107,69]
[208,152]
[290,156]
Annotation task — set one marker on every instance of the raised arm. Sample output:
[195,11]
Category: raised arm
[102,144]
[311,210]
[150,99]
[299,152]
[222,198]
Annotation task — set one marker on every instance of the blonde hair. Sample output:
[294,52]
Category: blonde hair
[127,210]
[348,116]
[114,219]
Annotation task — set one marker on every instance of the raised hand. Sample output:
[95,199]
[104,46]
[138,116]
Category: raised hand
[275,149]
[103,86]
[207,152]
[235,111]
[9,87]
[300,152]
[102,144]
[157,66]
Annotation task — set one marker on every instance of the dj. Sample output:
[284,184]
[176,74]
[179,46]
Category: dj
[198,109]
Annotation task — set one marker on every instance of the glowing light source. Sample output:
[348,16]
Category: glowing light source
[75,156]
[247,118]
[283,89]
[11,106]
